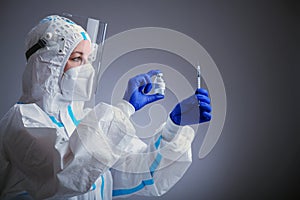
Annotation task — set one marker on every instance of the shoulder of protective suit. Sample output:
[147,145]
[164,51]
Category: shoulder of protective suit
[11,117]
[11,123]
[31,115]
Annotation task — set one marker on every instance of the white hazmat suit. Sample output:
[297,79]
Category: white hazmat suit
[52,148]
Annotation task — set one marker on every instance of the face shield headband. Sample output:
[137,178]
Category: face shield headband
[40,44]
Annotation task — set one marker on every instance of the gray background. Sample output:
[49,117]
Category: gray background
[255,45]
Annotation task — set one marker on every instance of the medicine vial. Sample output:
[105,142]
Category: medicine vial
[159,84]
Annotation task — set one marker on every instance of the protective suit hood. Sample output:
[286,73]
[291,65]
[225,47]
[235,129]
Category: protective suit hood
[45,65]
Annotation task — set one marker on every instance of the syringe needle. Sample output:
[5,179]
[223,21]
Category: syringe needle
[199,76]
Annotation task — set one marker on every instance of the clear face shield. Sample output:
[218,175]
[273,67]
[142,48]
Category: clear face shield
[96,30]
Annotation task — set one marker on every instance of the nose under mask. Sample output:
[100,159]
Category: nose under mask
[77,83]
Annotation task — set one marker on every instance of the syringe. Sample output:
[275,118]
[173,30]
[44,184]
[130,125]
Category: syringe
[199,76]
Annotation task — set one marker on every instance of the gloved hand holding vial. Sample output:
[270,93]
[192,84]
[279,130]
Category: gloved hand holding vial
[55,144]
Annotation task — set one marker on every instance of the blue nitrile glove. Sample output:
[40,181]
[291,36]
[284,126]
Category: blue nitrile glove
[137,89]
[193,110]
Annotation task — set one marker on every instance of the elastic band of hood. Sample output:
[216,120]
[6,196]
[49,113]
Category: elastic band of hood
[40,44]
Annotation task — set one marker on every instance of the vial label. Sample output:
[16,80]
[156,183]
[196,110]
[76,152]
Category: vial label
[159,84]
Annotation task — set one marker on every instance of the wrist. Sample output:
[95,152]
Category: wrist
[170,129]
[126,107]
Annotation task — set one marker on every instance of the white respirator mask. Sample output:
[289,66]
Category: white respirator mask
[77,83]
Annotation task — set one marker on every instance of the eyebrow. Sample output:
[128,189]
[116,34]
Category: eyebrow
[81,53]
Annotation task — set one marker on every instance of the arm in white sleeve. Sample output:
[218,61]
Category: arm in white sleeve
[154,171]
[98,142]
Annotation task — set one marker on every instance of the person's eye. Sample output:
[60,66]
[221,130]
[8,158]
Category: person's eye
[77,59]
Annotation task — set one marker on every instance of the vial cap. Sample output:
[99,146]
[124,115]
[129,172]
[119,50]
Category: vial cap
[159,74]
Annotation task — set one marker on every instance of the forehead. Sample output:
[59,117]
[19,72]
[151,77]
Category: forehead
[84,47]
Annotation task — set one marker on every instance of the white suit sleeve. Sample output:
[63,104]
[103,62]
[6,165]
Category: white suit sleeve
[155,170]
[96,145]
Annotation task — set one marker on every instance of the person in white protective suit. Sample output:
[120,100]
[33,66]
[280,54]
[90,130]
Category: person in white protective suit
[51,147]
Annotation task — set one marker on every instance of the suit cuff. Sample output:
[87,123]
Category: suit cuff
[126,107]
[170,130]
